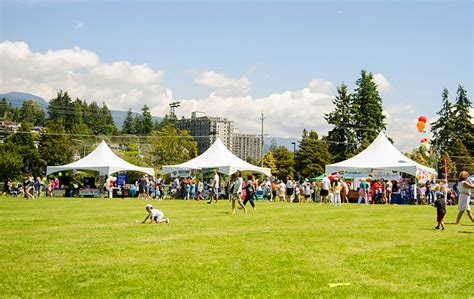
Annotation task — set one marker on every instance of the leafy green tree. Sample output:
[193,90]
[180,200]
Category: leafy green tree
[24,144]
[8,112]
[54,146]
[342,138]
[166,121]
[461,156]
[32,113]
[312,156]
[443,127]
[129,126]
[273,146]
[132,155]
[171,146]
[368,111]
[11,161]
[270,162]
[284,162]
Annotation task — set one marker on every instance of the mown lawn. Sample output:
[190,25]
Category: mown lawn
[60,247]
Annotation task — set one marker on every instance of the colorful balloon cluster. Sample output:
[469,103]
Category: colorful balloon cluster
[420,125]
[423,140]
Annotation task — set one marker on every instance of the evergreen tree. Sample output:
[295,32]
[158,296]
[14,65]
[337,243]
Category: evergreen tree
[443,127]
[93,118]
[11,162]
[284,162]
[146,121]
[463,125]
[61,108]
[342,138]
[128,126]
[368,111]
[109,125]
[166,121]
[54,145]
[312,156]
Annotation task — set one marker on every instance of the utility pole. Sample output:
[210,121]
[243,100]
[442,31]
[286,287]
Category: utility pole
[173,107]
[261,144]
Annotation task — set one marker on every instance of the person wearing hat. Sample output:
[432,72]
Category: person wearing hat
[440,205]
[156,216]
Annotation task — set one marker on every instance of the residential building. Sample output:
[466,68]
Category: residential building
[247,145]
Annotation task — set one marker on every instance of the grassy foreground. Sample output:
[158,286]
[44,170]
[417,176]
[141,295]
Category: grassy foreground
[95,247]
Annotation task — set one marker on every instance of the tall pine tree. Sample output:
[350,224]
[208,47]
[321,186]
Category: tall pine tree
[342,138]
[368,111]
[443,127]
[128,126]
[463,125]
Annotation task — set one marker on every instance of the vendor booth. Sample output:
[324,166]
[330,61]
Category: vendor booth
[102,160]
[382,155]
[218,156]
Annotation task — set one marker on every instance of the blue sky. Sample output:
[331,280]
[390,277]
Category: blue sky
[420,47]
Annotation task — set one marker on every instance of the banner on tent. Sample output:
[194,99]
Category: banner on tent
[181,173]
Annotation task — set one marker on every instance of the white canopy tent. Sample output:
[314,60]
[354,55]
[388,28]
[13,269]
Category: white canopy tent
[381,154]
[102,160]
[217,156]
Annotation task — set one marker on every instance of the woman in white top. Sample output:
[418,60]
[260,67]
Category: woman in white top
[464,186]
[337,187]
[236,191]
[388,191]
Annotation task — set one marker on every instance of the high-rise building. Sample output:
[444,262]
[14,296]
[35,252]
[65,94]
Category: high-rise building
[246,145]
[206,130]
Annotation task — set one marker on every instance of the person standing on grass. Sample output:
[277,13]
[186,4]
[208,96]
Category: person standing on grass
[249,192]
[281,187]
[440,205]
[464,187]
[155,216]
[6,187]
[363,192]
[236,191]
[337,188]
[325,186]
[388,191]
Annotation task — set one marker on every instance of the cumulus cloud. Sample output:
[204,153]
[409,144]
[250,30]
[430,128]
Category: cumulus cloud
[382,82]
[120,84]
[320,86]
[286,114]
[223,86]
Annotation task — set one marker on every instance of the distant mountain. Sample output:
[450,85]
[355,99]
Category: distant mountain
[18,98]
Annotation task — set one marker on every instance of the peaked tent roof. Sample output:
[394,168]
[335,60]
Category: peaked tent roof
[217,156]
[103,160]
[381,154]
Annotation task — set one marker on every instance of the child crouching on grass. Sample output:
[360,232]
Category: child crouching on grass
[155,216]
[440,205]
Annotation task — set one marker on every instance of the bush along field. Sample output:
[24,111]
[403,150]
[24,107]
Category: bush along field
[59,247]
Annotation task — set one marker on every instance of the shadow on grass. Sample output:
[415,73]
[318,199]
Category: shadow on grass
[465,232]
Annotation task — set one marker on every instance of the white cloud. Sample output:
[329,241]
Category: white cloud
[223,86]
[286,113]
[382,82]
[79,24]
[320,86]
[120,84]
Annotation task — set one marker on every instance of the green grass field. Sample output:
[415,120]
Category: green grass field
[60,247]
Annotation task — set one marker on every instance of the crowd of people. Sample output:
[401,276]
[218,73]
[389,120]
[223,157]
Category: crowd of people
[240,190]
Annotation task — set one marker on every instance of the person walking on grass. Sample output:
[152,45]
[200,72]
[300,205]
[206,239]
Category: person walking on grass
[249,192]
[464,202]
[236,191]
[363,192]
[214,187]
[440,205]
[155,216]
